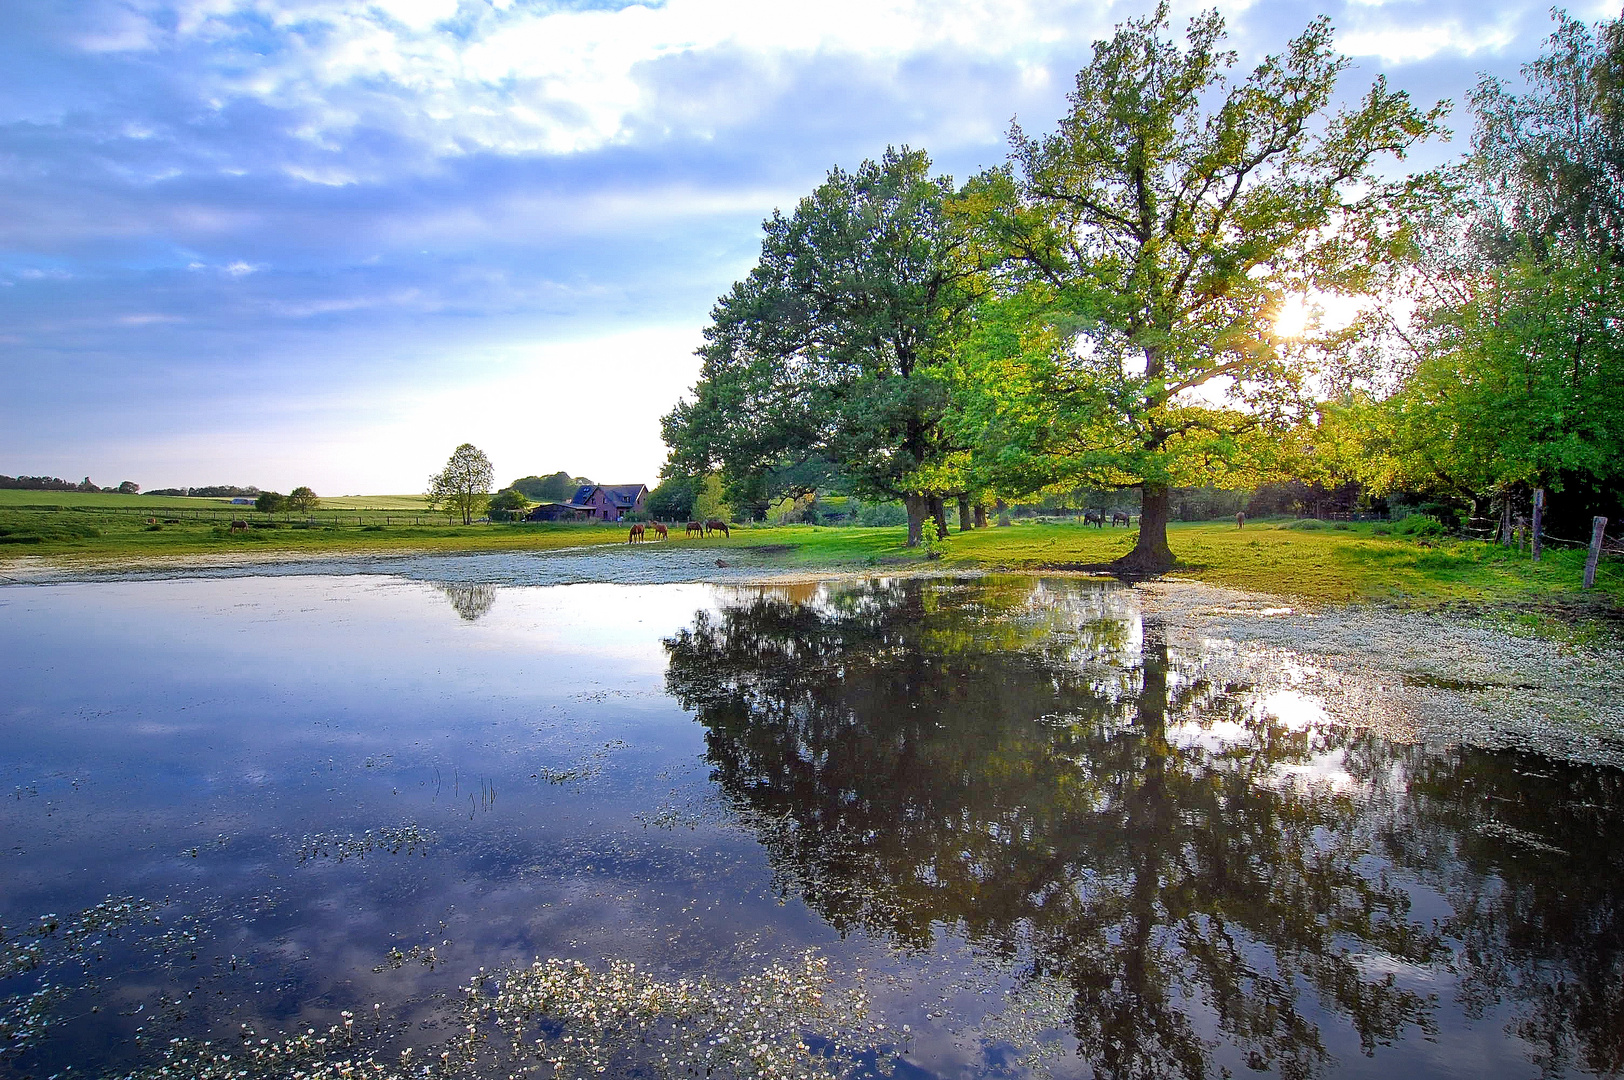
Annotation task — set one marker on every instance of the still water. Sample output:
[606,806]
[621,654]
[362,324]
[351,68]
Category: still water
[1038,832]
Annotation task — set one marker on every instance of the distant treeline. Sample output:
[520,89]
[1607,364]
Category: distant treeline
[559,487]
[56,483]
[218,491]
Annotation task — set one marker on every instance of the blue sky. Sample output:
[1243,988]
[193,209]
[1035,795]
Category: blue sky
[282,243]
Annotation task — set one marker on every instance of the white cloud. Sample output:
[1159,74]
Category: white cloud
[527,78]
[1408,44]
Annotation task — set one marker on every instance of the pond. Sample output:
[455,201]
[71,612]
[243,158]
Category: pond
[908,826]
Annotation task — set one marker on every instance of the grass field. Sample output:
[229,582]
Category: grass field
[1328,565]
[99,500]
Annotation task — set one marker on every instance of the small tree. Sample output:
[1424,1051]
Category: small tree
[464,485]
[508,504]
[301,500]
[129,487]
[270,502]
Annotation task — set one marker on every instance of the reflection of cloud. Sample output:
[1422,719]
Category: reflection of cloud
[470,601]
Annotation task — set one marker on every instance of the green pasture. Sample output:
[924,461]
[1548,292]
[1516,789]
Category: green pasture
[1309,561]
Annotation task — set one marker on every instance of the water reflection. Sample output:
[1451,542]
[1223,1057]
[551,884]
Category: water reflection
[1212,882]
[471,601]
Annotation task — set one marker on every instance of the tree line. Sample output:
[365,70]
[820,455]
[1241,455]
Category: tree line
[1107,309]
[56,483]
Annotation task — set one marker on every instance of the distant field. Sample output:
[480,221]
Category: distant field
[104,500]
[12,498]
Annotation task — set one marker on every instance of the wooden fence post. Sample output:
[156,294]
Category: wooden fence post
[1598,529]
[1539,519]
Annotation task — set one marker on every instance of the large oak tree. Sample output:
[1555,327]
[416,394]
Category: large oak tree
[834,354]
[1160,227]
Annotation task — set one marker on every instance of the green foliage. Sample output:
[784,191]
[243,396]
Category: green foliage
[709,503]
[881,514]
[1547,164]
[507,505]
[1156,233]
[270,502]
[673,498]
[464,485]
[559,487]
[508,499]
[835,352]
[301,500]
[932,539]
[1305,525]
[1419,525]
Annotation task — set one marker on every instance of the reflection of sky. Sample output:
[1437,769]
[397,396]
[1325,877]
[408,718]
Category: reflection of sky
[283,242]
[183,739]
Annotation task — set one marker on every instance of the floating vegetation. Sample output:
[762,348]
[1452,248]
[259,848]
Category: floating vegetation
[26,1017]
[564,1019]
[584,770]
[618,1020]
[308,1056]
[395,840]
[397,959]
[55,947]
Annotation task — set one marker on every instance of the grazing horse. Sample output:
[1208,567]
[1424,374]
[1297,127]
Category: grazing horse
[696,527]
[635,535]
[1094,517]
[1119,518]
[239,526]
[714,524]
[660,531]
[1240,520]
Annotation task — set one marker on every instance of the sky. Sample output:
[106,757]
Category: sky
[323,242]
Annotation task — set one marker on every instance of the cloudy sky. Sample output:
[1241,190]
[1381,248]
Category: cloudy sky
[322,242]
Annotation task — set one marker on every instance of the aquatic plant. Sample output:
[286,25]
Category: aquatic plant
[393,839]
[787,1021]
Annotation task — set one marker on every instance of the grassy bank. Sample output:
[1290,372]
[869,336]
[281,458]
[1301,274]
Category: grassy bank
[1329,564]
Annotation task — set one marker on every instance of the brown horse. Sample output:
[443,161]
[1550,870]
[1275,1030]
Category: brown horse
[1095,518]
[696,527]
[636,535]
[1240,520]
[660,531]
[239,526]
[1119,518]
[714,524]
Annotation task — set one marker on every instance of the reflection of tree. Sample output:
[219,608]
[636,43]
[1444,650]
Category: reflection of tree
[471,601]
[1043,776]
[1527,852]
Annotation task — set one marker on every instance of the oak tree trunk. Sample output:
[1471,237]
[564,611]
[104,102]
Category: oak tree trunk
[1150,554]
[981,515]
[918,506]
[964,514]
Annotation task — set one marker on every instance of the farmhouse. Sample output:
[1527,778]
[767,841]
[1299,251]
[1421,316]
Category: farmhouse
[594,502]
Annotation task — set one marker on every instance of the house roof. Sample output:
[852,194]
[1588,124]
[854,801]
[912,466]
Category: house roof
[624,494]
[618,494]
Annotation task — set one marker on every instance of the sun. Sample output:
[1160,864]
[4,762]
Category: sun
[1292,318]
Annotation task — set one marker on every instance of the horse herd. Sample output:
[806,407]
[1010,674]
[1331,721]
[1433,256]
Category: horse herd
[639,533]
[1097,519]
